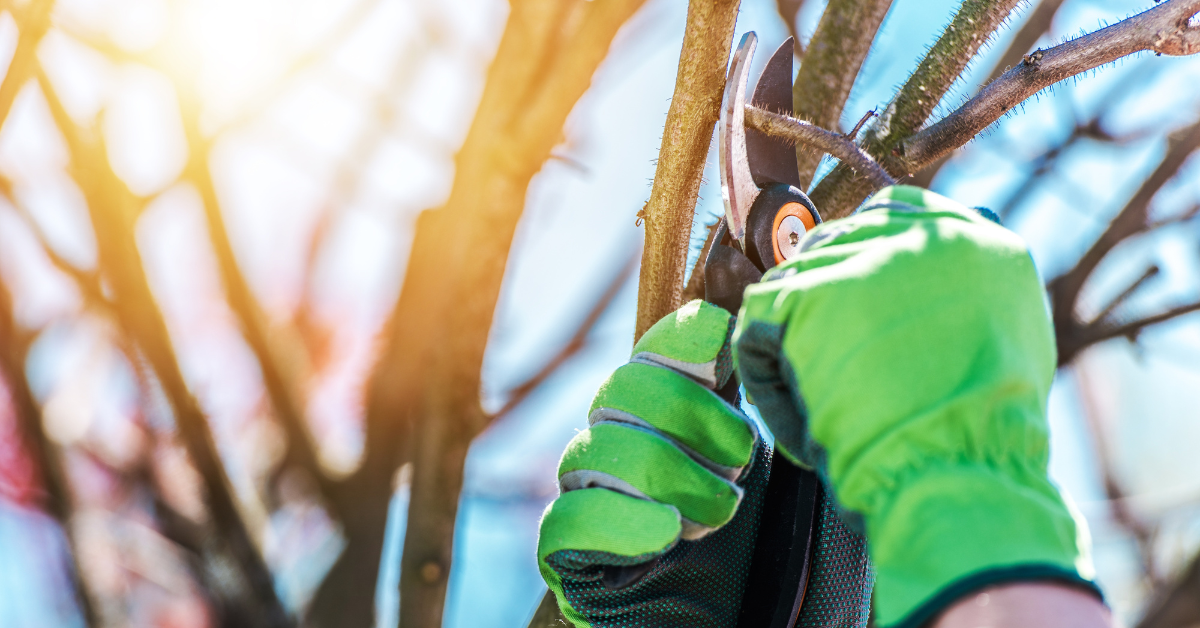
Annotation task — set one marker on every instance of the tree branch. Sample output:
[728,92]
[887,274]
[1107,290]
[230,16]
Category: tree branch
[44,455]
[842,190]
[1104,331]
[695,285]
[1121,298]
[789,12]
[111,207]
[578,340]
[1132,219]
[547,56]
[1163,29]
[1038,24]
[808,134]
[834,57]
[687,134]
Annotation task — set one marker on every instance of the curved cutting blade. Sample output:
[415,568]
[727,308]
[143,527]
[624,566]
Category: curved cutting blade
[771,159]
[737,183]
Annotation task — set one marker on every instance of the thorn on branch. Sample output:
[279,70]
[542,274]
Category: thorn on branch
[857,127]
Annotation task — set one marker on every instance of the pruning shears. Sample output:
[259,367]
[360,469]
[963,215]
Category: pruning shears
[766,214]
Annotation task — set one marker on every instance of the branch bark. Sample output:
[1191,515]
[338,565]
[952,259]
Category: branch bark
[1072,335]
[1038,24]
[835,55]
[111,207]
[808,134]
[545,62]
[1163,29]
[842,190]
[687,134]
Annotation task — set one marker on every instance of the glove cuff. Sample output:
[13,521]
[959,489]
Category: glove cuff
[955,528]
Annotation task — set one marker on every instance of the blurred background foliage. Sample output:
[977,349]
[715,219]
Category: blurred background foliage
[207,211]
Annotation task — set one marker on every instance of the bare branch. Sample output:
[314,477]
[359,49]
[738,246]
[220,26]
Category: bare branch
[33,20]
[1038,24]
[809,134]
[43,453]
[1124,296]
[1180,606]
[695,107]
[842,190]
[1132,219]
[545,62]
[578,340]
[111,208]
[1118,504]
[1102,332]
[1164,29]
[836,54]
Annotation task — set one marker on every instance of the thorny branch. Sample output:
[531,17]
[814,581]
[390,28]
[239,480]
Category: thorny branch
[1164,29]
[1037,24]
[974,24]
[808,134]
[835,55]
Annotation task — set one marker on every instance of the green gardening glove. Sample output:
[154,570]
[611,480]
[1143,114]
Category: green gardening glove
[906,355]
[661,495]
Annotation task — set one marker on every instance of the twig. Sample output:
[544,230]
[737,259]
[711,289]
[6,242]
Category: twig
[809,134]
[578,341]
[1103,332]
[695,107]
[1118,504]
[836,54]
[1163,29]
[1121,298]
[1038,24]
[1132,219]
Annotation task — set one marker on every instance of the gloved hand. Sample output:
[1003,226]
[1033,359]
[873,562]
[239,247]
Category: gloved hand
[661,495]
[906,355]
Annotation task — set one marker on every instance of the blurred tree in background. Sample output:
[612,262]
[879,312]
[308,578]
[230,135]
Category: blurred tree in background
[252,255]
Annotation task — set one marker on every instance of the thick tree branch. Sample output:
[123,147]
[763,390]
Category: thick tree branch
[687,133]
[808,134]
[842,190]
[1037,24]
[547,56]
[1164,29]
[835,55]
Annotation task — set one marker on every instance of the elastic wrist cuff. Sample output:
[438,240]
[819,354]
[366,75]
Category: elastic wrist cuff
[1001,575]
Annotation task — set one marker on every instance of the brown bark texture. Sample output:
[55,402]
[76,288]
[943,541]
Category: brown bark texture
[695,107]
[831,64]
